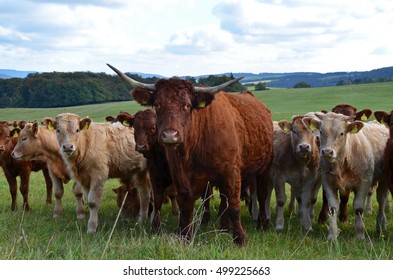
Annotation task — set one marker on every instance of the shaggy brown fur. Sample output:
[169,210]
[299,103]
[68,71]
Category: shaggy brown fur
[224,142]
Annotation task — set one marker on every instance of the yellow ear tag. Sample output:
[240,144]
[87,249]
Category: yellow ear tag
[126,123]
[286,128]
[383,121]
[313,127]
[86,127]
[15,134]
[51,126]
[364,117]
[354,130]
[202,104]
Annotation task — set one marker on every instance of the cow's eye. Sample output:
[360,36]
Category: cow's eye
[342,134]
[294,132]
[153,129]
[58,131]
[157,106]
[187,107]
[77,130]
[24,138]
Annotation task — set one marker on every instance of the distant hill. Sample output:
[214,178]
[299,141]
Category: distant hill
[279,80]
[288,80]
[9,73]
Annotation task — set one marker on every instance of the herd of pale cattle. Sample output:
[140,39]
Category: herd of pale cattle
[195,138]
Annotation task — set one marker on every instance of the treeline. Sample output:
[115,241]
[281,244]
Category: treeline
[63,89]
[366,80]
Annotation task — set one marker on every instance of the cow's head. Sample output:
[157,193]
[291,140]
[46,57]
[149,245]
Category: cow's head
[68,128]
[173,100]
[303,140]
[386,119]
[131,204]
[6,136]
[333,129]
[349,110]
[145,128]
[26,148]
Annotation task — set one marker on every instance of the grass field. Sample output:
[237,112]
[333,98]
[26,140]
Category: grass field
[36,235]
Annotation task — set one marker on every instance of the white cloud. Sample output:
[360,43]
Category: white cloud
[177,37]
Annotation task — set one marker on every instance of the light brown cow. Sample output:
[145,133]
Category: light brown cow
[37,142]
[351,159]
[363,115]
[95,152]
[295,161]
[13,168]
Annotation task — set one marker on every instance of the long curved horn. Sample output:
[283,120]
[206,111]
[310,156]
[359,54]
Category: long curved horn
[216,88]
[132,82]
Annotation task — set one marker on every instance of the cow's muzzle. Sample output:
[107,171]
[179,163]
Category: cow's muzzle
[303,150]
[141,148]
[67,149]
[328,153]
[170,136]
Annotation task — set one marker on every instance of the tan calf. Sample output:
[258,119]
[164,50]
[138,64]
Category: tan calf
[95,152]
[351,160]
[37,142]
[295,161]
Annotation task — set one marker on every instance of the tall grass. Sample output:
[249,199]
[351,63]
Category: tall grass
[36,235]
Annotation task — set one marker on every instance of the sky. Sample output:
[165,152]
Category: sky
[191,37]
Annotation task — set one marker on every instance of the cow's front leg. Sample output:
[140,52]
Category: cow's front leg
[186,204]
[93,201]
[332,198]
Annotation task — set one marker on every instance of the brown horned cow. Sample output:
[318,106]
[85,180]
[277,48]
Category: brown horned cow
[223,141]
[95,152]
[13,168]
[38,142]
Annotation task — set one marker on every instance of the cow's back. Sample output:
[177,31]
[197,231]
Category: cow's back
[234,129]
[110,147]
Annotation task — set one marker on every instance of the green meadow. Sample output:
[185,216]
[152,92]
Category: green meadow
[36,235]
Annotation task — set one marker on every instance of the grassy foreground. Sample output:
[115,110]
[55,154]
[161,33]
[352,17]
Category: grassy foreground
[36,235]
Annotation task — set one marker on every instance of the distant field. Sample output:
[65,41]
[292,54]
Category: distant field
[284,103]
[36,235]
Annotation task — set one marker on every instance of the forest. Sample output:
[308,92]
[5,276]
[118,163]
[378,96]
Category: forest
[63,89]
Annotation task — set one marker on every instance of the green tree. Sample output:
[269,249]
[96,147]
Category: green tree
[302,84]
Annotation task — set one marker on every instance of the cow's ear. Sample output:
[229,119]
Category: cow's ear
[311,123]
[15,132]
[110,119]
[126,120]
[85,124]
[34,128]
[49,123]
[286,126]
[363,115]
[382,117]
[22,124]
[324,111]
[201,100]
[355,127]
[143,96]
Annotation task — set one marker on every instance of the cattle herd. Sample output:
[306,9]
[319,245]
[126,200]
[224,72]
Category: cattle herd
[193,139]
